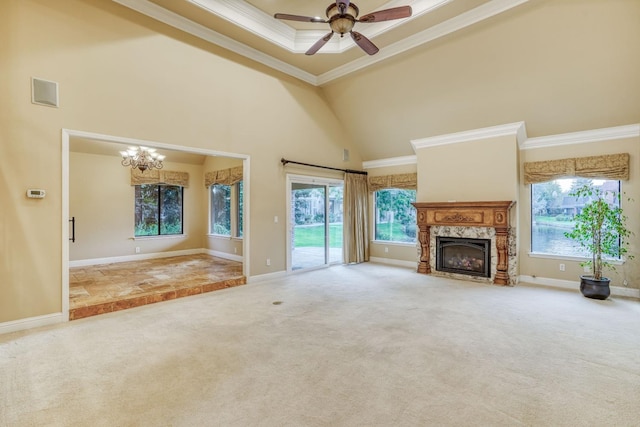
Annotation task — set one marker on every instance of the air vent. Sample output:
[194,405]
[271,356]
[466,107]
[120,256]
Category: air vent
[44,92]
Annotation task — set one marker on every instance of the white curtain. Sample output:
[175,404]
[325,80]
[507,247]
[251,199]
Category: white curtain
[356,218]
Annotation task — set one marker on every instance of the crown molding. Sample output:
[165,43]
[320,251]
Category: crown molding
[298,41]
[459,22]
[595,135]
[391,161]
[174,20]
[257,22]
[517,129]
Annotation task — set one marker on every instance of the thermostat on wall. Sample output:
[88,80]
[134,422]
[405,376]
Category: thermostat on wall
[35,193]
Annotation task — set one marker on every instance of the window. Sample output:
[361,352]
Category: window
[552,212]
[395,217]
[240,198]
[226,209]
[158,210]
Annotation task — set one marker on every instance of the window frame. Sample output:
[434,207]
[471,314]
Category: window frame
[160,234]
[567,257]
[375,219]
[236,194]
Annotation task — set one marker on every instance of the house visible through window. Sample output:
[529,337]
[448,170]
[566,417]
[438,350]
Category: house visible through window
[395,217]
[226,209]
[158,210]
[552,212]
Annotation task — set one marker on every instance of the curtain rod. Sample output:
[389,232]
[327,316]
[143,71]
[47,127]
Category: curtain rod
[285,161]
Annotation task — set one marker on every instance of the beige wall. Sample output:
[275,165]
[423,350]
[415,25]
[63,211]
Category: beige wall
[126,75]
[549,268]
[483,170]
[101,199]
[559,65]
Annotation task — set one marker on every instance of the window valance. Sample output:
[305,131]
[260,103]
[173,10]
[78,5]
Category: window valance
[156,176]
[610,166]
[405,181]
[224,176]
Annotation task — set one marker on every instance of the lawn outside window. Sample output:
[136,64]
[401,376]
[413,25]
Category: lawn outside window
[395,216]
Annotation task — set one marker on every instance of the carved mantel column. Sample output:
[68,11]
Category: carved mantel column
[424,237]
[466,214]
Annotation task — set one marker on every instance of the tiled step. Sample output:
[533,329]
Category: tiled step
[138,300]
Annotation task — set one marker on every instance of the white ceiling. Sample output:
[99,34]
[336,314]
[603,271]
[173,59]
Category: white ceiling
[248,28]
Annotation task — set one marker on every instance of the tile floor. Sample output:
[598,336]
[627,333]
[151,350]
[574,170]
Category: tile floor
[105,288]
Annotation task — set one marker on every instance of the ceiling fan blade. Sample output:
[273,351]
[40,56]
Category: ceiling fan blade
[300,18]
[387,14]
[364,43]
[317,45]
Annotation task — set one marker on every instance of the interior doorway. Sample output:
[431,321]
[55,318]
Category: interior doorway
[93,144]
[314,223]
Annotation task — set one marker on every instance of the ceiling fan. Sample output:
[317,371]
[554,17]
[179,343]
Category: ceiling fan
[342,16]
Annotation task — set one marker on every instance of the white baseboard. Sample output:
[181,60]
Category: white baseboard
[224,255]
[391,261]
[575,285]
[31,322]
[267,276]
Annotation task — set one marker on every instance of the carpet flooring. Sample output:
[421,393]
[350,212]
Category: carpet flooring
[359,345]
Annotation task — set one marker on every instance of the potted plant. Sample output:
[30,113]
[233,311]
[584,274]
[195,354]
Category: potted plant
[600,229]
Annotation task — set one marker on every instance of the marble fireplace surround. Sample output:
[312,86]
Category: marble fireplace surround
[481,220]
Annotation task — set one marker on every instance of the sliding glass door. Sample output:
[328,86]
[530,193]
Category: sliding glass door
[314,223]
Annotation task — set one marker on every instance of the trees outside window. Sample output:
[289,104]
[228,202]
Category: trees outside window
[553,210]
[395,216]
[240,198]
[158,210]
[226,209]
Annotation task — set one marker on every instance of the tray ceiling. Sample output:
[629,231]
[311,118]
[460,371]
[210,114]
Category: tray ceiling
[249,29]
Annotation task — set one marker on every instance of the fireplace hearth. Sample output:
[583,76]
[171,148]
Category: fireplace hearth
[464,256]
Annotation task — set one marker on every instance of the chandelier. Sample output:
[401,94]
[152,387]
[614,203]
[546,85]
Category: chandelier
[142,158]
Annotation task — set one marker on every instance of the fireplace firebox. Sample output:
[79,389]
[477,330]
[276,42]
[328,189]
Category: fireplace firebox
[463,256]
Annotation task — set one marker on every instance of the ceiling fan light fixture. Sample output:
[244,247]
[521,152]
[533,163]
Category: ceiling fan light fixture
[342,23]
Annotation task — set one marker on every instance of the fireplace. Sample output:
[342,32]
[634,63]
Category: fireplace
[469,220]
[464,256]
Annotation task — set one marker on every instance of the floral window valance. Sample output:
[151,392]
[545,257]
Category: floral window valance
[611,166]
[406,181]
[156,176]
[224,176]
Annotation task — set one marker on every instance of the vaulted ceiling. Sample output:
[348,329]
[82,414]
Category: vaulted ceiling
[249,28]
[454,65]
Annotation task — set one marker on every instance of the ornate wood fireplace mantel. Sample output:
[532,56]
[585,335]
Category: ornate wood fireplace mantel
[466,214]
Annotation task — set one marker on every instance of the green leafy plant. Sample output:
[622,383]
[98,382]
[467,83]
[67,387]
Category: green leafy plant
[600,228]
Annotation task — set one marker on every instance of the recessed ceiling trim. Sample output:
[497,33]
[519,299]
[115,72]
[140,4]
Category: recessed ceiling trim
[257,22]
[308,37]
[174,20]
[461,21]
[251,19]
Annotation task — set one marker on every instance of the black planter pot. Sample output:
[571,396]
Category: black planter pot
[596,289]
